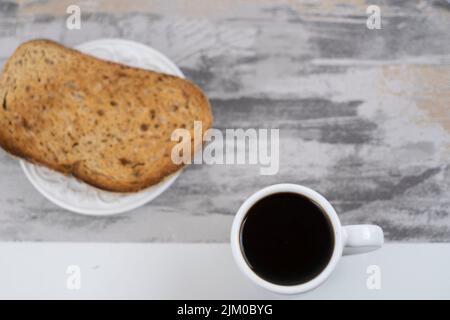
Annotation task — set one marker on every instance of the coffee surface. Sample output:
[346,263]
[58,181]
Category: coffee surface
[287,239]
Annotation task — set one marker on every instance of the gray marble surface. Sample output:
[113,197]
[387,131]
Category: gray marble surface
[364,115]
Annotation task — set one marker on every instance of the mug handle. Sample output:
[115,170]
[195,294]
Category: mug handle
[362,238]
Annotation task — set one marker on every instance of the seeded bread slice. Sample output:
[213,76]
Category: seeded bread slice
[107,124]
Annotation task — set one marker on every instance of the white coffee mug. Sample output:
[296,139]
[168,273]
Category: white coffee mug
[348,239]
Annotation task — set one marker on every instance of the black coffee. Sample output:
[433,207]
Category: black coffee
[287,239]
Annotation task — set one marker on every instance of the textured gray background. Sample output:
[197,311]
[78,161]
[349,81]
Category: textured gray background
[364,115]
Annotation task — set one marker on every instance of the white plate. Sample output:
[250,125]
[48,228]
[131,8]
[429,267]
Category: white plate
[74,195]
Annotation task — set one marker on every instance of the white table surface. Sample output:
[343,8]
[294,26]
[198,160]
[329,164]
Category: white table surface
[206,271]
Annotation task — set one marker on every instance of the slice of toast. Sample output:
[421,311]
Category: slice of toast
[107,124]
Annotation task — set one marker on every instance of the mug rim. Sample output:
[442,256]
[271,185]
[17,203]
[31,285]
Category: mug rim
[328,210]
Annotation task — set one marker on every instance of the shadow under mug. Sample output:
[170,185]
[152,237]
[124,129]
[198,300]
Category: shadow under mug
[348,239]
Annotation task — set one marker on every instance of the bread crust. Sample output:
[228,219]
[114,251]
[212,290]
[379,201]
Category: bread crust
[104,123]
